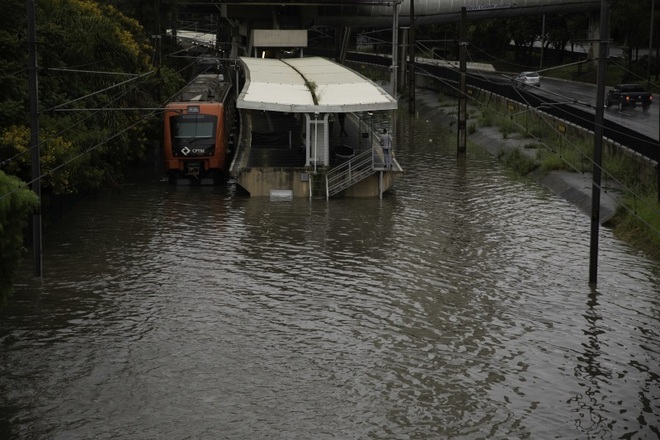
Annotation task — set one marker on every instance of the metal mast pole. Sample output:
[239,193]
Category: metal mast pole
[542,42]
[462,93]
[34,133]
[603,53]
[395,48]
[411,78]
[648,66]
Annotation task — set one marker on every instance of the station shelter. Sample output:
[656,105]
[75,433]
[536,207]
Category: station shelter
[313,87]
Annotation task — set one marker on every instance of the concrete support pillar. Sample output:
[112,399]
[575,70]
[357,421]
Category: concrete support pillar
[317,140]
[345,38]
[593,51]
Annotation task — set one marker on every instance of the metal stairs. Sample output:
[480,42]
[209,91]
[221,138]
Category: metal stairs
[349,173]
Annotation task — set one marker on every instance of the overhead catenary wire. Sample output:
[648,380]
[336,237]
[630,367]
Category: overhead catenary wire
[77,156]
[100,91]
[583,154]
[122,93]
[70,127]
[151,113]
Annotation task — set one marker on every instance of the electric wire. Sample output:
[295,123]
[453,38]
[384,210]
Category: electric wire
[144,118]
[572,144]
[114,99]
[70,127]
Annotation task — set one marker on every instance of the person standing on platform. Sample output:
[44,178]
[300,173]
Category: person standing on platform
[342,119]
[331,122]
[386,143]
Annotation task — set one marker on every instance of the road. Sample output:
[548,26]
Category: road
[622,127]
[643,122]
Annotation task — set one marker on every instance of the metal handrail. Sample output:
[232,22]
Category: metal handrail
[349,173]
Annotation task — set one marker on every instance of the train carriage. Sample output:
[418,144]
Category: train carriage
[199,129]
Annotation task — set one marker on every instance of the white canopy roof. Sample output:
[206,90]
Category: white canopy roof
[293,84]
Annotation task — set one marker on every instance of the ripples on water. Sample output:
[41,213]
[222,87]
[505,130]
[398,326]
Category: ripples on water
[456,307]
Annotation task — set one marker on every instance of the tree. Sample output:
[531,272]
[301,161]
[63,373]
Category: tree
[80,36]
[630,24]
[524,32]
[489,36]
[16,203]
[562,29]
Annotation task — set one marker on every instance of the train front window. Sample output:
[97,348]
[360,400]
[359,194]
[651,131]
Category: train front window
[193,127]
[193,135]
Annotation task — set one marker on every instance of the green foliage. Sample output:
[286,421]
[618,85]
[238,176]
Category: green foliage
[507,126]
[16,203]
[630,23]
[518,161]
[552,162]
[487,117]
[81,151]
[539,129]
[639,223]
[489,36]
[58,179]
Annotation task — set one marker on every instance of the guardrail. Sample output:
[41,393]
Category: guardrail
[349,173]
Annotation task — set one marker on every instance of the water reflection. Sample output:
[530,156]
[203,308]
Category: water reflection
[455,307]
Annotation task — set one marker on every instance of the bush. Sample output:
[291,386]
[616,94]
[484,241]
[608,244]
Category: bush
[16,203]
[520,162]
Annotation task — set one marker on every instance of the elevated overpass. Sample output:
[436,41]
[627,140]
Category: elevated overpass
[369,13]
[237,18]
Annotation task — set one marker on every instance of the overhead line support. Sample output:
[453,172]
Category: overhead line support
[34,134]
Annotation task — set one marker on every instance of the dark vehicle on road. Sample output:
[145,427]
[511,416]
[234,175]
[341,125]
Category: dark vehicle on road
[629,95]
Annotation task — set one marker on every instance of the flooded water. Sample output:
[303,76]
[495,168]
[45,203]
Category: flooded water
[457,307]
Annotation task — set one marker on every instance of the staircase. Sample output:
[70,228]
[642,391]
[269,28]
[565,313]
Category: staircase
[349,173]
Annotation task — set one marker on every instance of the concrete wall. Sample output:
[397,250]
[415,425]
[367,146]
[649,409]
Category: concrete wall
[644,167]
[370,187]
[260,181]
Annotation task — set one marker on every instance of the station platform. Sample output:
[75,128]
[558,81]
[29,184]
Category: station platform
[271,154]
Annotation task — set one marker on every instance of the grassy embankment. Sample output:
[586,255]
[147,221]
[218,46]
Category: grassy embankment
[638,218]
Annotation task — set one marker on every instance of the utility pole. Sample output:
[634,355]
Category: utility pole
[648,64]
[542,42]
[395,67]
[648,78]
[603,53]
[462,93]
[395,46]
[411,78]
[34,133]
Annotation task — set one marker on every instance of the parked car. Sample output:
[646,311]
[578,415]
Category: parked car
[528,79]
[629,95]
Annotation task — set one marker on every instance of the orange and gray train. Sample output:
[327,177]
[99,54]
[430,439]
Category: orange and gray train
[199,131]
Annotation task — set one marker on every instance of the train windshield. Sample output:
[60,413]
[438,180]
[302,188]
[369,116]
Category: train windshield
[193,135]
[192,127]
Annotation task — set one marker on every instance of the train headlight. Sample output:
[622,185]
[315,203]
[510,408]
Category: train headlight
[193,109]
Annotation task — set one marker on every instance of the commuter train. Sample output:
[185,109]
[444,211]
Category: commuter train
[199,127]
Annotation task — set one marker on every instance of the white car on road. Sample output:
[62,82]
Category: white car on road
[528,79]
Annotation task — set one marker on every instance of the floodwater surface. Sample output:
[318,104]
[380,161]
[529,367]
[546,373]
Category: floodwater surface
[457,307]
